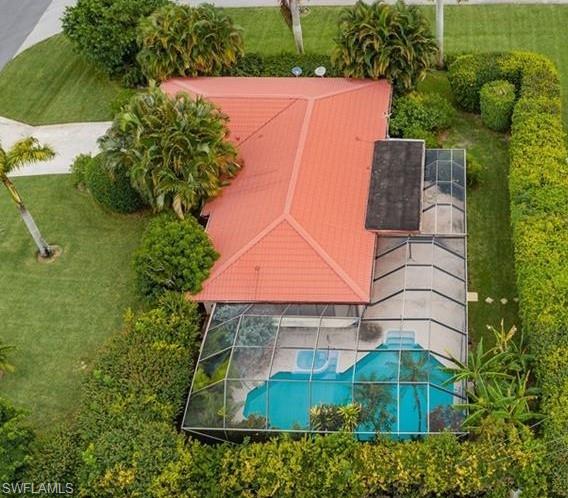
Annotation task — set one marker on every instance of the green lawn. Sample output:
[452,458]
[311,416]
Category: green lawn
[491,270]
[49,83]
[58,314]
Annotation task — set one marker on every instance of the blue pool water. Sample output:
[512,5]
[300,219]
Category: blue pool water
[286,398]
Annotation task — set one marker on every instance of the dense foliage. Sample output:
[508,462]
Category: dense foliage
[15,439]
[252,64]
[422,116]
[124,433]
[104,31]
[383,41]
[179,40]
[496,102]
[175,150]
[174,255]
[497,379]
[538,185]
[111,189]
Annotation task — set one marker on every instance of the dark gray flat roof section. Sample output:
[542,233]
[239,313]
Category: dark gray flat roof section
[395,193]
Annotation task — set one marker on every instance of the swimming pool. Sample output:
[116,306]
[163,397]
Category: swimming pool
[286,398]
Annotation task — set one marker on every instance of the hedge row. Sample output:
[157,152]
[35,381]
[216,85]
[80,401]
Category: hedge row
[125,430]
[253,64]
[538,186]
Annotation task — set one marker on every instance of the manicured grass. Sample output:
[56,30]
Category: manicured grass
[50,83]
[490,247]
[58,314]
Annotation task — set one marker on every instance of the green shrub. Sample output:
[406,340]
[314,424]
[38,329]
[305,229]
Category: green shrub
[105,32]
[469,73]
[78,169]
[280,65]
[178,40]
[175,150]
[337,465]
[174,255]
[15,439]
[538,187]
[419,115]
[384,41]
[112,189]
[122,99]
[497,99]
[55,457]
[474,173]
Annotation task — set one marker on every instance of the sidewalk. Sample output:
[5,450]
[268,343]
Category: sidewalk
[67,140]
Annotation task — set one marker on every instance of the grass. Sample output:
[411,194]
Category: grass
[491,270]
[50,83]
[58,314]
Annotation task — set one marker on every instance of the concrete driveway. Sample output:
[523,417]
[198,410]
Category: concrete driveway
[17,20]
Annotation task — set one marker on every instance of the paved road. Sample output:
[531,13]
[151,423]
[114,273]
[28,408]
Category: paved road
[17,19]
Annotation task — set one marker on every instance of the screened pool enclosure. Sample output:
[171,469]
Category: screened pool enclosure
[267,367]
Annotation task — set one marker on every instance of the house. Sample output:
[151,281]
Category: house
[342,276]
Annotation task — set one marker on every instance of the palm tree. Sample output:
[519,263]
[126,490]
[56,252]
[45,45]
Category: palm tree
[290,10]
[26,150]
[414,367]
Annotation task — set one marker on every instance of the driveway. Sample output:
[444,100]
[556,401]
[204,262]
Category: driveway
[17,19]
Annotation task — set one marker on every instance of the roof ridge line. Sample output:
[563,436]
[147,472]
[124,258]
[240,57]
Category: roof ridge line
[360,86]
[302,232]
[298,156]
[252,242]
[272,118]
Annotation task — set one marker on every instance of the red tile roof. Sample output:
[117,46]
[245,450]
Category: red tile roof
[291,226]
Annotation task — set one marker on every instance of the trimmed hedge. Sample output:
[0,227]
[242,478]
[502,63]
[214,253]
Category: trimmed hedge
[538,187]
[281,65]
[110,189]
[337,465]
[497,99]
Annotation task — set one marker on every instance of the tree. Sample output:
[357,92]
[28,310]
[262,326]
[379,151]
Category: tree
[290,10]
[178,40]
[440,30]
[383,41]
[26,150]
[104,32]
[175,150]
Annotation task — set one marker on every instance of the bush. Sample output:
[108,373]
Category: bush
[419,115]
[175,150]
[538,187]
[111,189]
[497,100]
[132,397]
[384,41]
[337,465]
[475,171]
[122,99]
[178,40]
[174,255]
[468,74]
[105,32]
[15,439]
[78,169]
[281,65]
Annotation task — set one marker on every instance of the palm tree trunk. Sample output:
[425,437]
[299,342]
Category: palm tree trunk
[297,25]
[440,31]
[43,247]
